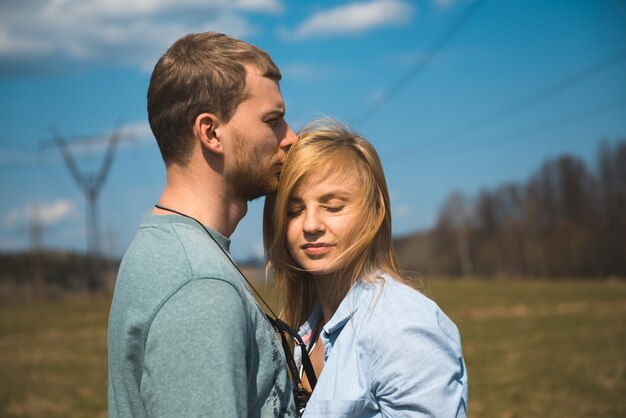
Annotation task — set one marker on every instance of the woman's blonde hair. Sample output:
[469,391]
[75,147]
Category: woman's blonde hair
[323,145]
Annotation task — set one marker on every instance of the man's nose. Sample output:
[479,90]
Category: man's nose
[289,138]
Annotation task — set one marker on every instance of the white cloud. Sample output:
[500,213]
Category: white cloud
[305,71]
[44,213]
[53,212]
[43,37]
[274,6]
[353,18]
[376,96]
[137,131]
[15,157]
[401,211]
[129,134]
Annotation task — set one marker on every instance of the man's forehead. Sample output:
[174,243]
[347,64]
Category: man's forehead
[266,98]
[254,76]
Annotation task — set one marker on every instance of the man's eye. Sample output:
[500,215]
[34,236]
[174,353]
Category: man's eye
[273,121]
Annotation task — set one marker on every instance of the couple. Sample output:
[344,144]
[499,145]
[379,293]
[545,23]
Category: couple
[186,336]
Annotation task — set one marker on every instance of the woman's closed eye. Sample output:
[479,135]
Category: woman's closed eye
[333,208]
[295,210]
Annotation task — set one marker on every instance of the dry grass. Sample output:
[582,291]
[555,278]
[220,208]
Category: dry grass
[53,359]
[533,349]
[540,348]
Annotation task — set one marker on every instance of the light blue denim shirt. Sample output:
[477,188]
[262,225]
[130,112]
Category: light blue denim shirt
[389,351]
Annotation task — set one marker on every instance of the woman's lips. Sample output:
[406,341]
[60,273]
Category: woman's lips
[316,249]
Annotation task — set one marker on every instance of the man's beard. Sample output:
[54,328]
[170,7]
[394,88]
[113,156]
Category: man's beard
[250,178]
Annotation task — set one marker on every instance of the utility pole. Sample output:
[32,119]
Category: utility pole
[35,232]
[91,185]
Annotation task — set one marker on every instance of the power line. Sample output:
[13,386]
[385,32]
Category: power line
[522,103]
[420,63]
[575,117]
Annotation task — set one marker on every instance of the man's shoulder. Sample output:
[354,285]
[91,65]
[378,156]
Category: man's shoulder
[165,257]
[176,251]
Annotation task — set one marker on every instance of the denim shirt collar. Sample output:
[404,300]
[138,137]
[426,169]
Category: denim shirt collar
[306,330]
[331,330]
[346,310]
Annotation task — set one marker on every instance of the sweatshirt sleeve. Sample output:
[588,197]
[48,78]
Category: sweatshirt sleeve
[195,357]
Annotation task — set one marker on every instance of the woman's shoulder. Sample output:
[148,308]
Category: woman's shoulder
[390,293]
[393,306]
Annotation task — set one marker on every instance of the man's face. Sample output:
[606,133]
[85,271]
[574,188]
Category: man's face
[258,139]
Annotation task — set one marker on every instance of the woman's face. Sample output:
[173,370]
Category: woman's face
[322,215]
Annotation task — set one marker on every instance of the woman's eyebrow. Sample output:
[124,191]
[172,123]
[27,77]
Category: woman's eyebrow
[337,194]
[326,197]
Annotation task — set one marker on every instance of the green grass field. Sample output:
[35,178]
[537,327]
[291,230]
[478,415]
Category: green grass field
[532,348]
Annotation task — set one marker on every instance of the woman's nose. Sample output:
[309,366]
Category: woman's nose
[312,222]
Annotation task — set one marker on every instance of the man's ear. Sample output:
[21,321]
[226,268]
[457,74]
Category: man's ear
[205,129]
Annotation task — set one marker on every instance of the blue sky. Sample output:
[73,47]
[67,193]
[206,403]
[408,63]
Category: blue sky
[520,82]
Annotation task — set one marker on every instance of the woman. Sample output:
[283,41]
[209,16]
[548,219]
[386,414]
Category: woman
[378,347]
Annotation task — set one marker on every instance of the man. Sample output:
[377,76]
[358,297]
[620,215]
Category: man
[186,337]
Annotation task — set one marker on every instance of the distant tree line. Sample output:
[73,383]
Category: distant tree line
[566,221]
[51,273]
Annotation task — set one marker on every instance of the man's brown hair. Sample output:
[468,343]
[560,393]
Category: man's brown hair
[203,72]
